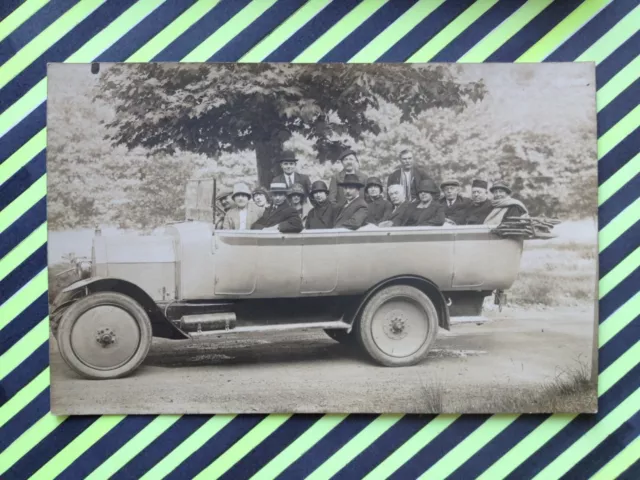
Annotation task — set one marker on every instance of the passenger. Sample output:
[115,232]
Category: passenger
[244,213]
[399,205]
[261,197]
[480,205]
[322,213]
[298,200]
[352,213]
[289,176]
[454,204]
[425,212]
[378,206]
[280,216]
[503,205]
[351,166]
[408,175]
[224,200]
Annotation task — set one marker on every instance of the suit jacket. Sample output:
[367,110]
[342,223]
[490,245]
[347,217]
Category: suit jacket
[320,216]
[432,216]
[476,214]
[336,193]
[352,215]
[417,175]
[300,178]
[232,217]
[457,211]
[284,216]
[378,209]
[396,214]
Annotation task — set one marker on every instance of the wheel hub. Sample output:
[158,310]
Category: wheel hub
[395,325]
[105,337]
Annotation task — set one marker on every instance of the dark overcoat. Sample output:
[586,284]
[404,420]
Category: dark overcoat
[320,216]
[378,209]
[396,214]
[284,216]
[300,178]
[475,214]
[457,210]
[336,192]
[351,215]
[432,216]
[418,174]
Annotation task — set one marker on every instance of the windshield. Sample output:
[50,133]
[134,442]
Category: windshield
[199,200]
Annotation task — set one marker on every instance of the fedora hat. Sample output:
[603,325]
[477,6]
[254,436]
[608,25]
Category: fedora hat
[287,156]
[428,185]
[347,152]
[351,179]
[279,187]
[319,186]
[450,182]
[241,189]
[502,185]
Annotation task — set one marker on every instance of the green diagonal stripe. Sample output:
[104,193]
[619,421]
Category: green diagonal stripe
[50,35]
[469,446]
[22,156]
[563,30]
[611,40]
[618,83]
[619,179]
[20,15]
[24,202]
[618,369]
[23,298]
[284,31]
[411,447]
[228,31]
[619,272]
[243,446]
[17,402]
[339,31]
[449,33]
[394,32]
[297,448]
[619,319]
[187,447]
[621,462]
[591,439]
[620,224]
[29,439]
[618,132]
[19,254]
[503,32]
[33,339]
[354,447]
[78,446]
[133,447]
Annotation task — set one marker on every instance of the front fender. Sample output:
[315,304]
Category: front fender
[161,326]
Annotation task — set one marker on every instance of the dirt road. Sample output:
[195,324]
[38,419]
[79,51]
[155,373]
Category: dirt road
[308,372]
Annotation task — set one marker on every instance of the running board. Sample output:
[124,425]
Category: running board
[479,319]
[337,325]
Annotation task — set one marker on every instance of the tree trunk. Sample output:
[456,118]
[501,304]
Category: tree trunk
[266,156]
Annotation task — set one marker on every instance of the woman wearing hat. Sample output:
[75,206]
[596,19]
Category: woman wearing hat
[244,213]
[426,211]
[503,205]
[261,197]
[322,213]
[298,200]
[350,166]
[378,207]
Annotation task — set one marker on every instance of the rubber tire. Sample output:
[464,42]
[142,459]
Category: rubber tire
[341,336]
[378,299]
[67,322]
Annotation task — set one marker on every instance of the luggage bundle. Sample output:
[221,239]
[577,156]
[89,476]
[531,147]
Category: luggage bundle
[526,227]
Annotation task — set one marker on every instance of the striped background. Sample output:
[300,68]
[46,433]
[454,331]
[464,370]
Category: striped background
[35,443]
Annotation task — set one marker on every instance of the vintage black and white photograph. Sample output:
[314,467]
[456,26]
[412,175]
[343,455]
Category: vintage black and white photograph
[353,238]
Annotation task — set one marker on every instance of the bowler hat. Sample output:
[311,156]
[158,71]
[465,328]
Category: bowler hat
[347,152]
[375,181]
[479,184]
[297,189]
[351,180]
[319,186]
[428,185]
[241,189]
[450,182]
[287,156]
[500,184]
[279,187]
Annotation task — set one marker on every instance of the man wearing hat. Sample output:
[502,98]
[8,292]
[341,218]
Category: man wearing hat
[408,175]
[350,166]
[225,201]
[378,207]
[427,211]
[322,213]
[352,213]
[244,213]
[503,205]
[289,176]
[280,216]
[454,204]
[480,205]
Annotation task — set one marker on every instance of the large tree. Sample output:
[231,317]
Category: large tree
[215,108]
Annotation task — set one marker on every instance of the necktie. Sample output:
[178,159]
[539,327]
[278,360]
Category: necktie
[289,182]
